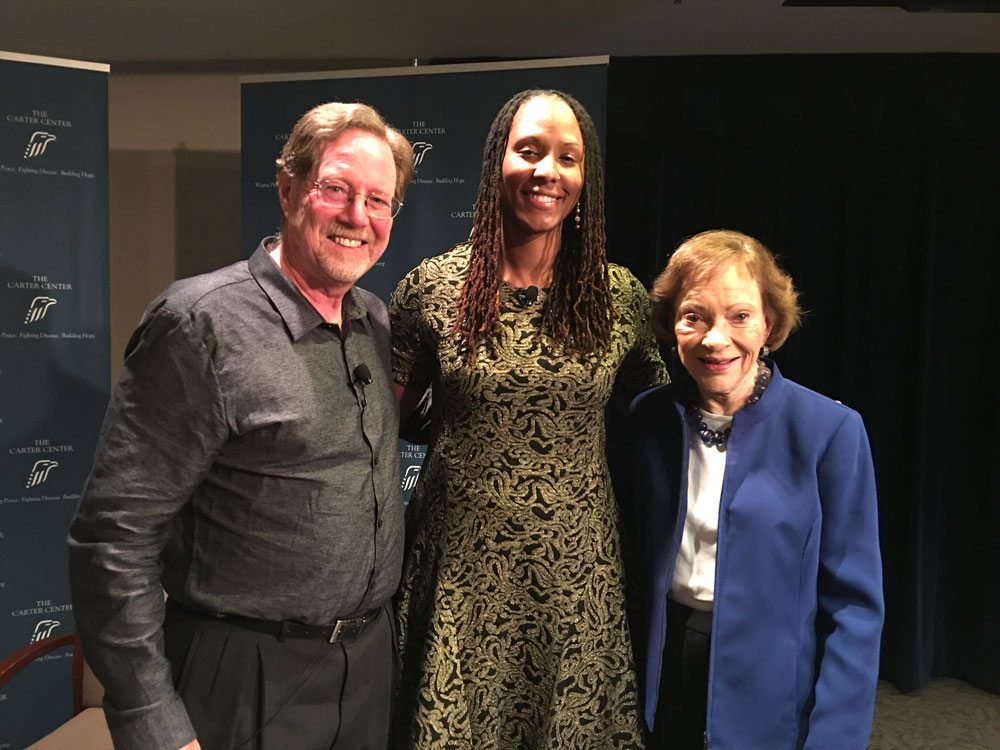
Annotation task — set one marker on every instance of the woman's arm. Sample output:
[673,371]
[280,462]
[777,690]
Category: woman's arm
[413,357]
[414,413]
[642,367]
[850,603]
[408,398]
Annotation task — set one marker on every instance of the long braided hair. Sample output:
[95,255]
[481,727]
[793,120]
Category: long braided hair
[578,310]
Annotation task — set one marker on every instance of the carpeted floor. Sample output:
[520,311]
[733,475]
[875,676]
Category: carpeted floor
[945,714]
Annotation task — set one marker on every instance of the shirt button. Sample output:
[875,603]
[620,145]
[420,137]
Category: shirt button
[380,523]
[376,460]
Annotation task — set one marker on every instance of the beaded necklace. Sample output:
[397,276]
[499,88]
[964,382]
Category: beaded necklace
[712,437]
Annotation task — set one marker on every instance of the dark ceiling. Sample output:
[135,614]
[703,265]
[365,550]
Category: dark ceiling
[257,35]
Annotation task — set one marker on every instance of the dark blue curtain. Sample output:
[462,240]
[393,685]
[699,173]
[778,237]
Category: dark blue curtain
[876,178]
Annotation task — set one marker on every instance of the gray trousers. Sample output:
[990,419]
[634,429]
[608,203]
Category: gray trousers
[245,690]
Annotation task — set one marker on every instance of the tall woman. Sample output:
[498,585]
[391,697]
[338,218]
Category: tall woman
[512,617]
[755,523]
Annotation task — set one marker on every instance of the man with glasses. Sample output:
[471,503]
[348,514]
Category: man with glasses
[248,465]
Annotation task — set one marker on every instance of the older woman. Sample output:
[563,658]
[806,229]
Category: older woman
[511,607]
[754,519]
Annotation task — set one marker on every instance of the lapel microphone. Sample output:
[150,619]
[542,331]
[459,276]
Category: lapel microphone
[362,375]
[526,295]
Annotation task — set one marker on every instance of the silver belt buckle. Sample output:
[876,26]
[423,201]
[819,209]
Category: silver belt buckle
[345,629]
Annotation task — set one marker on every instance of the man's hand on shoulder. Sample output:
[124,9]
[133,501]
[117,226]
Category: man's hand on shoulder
[192,745]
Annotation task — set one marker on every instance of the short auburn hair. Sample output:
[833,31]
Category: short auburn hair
[702,256]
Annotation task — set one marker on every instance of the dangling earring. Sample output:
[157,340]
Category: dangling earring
[577,219]
[764,351]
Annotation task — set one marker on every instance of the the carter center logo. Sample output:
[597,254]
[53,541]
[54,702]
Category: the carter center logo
[410,478]
[37,144]
[420,149]
[37,309]
[40,472]
[44,629]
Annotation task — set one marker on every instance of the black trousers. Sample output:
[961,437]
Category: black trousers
[245,690]
[682,704]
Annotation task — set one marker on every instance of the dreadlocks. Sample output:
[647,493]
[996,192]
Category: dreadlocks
[578,310]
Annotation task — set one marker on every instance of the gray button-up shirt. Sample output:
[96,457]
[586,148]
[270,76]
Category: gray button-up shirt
[243,465]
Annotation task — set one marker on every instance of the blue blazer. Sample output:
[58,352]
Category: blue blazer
[798,584]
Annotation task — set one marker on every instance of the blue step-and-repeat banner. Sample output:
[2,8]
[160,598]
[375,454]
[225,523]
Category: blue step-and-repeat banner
[445,111]
[53,357]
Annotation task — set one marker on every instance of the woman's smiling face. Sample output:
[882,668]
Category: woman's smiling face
[542,168]
[721,326]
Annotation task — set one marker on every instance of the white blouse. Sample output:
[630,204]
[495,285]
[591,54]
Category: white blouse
[694,572]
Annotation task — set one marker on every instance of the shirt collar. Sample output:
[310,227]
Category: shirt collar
[298,314]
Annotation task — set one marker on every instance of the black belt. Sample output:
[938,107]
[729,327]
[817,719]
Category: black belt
[340,630]
[693,619]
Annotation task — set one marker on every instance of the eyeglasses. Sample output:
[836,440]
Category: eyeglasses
[338,195]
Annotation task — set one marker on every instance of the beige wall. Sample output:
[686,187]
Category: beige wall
[174,186]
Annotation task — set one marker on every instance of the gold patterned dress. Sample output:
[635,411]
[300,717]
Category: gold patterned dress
[512,615]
